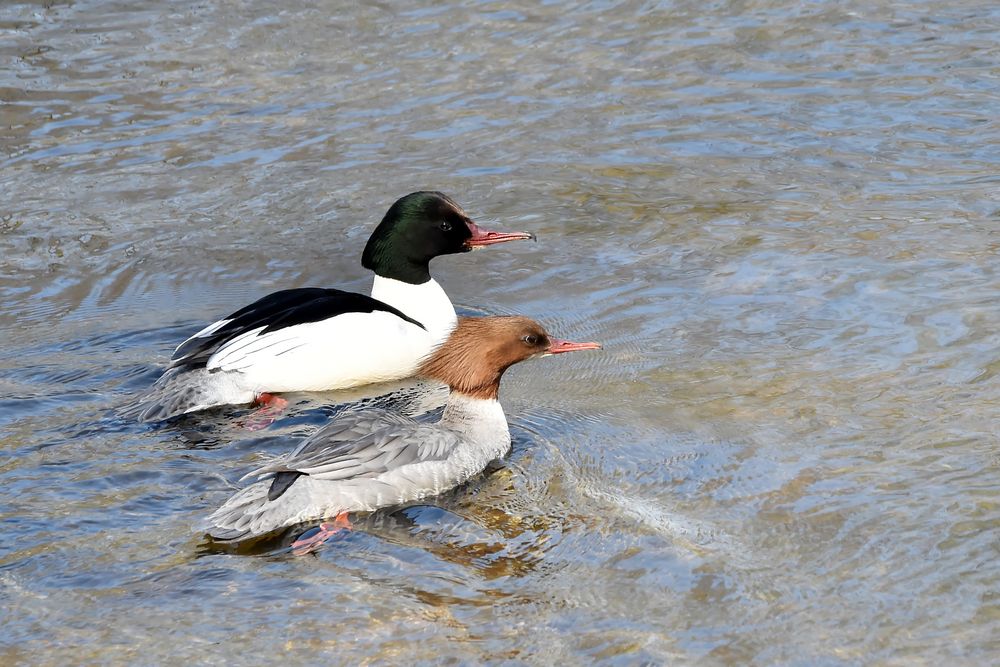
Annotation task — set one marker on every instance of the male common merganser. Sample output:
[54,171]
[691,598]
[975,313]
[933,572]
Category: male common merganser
[374,458]
[317,339]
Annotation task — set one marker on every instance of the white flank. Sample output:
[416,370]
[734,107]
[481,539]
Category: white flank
[336,353]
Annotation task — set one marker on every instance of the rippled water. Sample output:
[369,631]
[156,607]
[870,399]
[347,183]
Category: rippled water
[781,218]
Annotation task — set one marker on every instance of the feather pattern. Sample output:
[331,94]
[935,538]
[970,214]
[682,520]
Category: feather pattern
[368,444]
[271,314]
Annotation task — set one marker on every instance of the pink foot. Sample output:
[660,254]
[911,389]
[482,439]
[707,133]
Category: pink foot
[312,539]
[271,407]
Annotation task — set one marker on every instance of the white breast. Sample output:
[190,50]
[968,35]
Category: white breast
[427,303]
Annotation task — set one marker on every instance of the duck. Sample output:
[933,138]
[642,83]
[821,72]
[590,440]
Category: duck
[323,339]
[370,459]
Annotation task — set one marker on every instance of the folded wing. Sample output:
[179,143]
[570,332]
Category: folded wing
[272,324]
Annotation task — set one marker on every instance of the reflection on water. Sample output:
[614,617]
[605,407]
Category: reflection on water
[779,218]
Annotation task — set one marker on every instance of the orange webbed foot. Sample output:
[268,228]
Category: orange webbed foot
[312,539]
[270,408]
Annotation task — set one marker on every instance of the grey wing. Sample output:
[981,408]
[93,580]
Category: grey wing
[365,444]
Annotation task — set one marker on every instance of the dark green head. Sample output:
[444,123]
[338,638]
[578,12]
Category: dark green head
[418,228]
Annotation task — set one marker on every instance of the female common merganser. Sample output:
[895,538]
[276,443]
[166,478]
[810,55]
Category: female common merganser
[374,459]
[316,339]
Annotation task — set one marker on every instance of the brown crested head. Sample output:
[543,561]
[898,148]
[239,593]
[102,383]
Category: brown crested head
[480,349]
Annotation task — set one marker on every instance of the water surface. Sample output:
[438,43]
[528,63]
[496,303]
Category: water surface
[780,218]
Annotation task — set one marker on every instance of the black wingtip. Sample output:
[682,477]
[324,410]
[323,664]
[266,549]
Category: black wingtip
[281,482]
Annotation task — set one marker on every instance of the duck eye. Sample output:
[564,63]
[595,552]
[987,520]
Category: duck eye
[445,226]
[531,339]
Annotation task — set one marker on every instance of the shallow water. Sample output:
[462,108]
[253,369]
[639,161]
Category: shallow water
[780,218]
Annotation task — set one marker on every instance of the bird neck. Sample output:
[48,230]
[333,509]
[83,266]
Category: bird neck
[427,303]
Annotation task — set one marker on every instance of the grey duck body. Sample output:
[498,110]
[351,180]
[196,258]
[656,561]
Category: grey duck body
[364,461]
